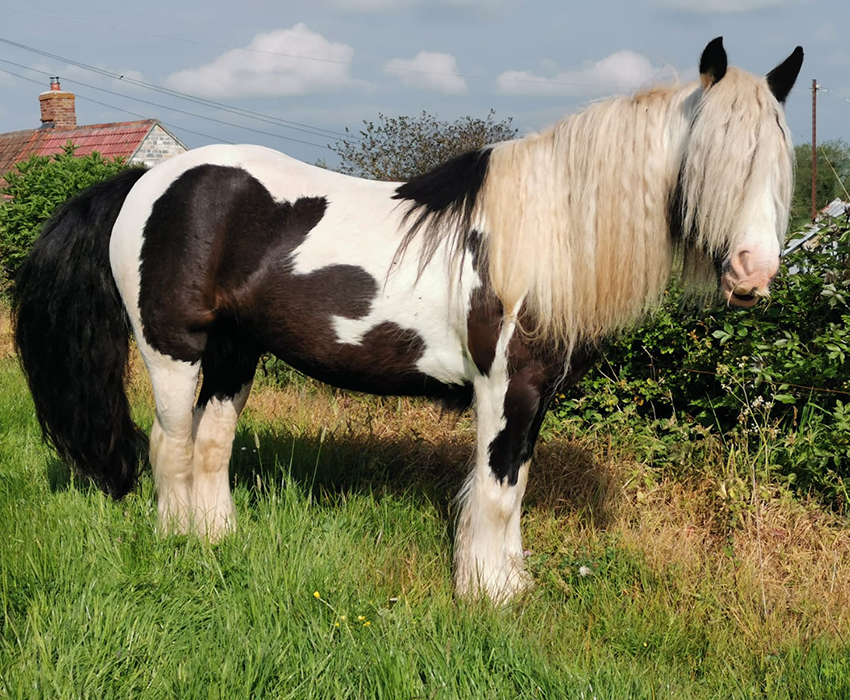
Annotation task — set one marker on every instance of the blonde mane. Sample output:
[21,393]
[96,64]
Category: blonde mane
[578,217]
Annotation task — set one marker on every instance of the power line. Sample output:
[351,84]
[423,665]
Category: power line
[840,97]
[298,126]
[543,81]
[215,139]
[173,109]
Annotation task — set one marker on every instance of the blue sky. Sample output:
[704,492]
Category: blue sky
[533,61]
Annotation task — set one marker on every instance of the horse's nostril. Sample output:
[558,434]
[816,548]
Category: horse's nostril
[741,261]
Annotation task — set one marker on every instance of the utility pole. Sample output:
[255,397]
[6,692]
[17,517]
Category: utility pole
[814,147]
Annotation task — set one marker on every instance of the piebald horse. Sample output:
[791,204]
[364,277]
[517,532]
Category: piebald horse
[490,280]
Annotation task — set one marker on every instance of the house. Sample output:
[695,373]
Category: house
[145,141]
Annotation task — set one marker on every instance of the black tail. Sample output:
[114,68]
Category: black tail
[72,335]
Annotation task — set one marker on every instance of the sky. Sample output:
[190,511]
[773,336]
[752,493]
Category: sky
[310,68]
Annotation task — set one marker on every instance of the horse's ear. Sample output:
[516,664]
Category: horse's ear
[713,63]
[782,78]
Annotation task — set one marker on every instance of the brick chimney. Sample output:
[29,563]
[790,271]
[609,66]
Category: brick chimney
[57,107]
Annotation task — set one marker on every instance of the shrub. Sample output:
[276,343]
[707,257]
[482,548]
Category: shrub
[37,186]
[399,148]
[777,375]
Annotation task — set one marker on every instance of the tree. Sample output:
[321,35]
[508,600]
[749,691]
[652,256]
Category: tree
[398,148]
[829,187]
[37,186]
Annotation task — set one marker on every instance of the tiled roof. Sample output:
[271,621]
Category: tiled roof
[110,140]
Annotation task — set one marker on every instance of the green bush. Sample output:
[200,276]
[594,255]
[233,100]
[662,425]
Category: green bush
[37,186]
[777,375]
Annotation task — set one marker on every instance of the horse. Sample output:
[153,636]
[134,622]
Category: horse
[490,281]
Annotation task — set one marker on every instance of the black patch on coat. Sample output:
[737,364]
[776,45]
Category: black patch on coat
[217,276]
[483,325]
[72,335]
[513,446]
[476,247]
[209,235]
[484,320]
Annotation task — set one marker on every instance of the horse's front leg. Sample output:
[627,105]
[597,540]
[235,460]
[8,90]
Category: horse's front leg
[488,543]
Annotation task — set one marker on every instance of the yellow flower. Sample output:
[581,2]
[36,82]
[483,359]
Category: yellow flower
[342,617]
[361,617]
[316,594]
[336,624]
[367,623]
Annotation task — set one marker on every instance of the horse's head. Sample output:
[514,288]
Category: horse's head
[737,172]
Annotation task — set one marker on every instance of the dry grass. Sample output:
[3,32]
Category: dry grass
[7,346]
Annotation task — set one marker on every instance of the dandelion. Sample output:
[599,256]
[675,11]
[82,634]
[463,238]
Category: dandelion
[367,624]
[361,617]
[583,570]
[317,595]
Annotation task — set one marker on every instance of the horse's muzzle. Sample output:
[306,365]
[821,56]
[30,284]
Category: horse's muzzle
[745,278]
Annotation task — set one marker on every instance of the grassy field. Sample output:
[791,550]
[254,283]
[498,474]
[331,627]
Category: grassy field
[338,583]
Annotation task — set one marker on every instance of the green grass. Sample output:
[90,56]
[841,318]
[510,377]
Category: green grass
[95,605]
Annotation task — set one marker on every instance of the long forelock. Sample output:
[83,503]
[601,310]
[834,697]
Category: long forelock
[739,142]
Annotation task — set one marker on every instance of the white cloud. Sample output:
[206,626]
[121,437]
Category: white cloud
[428,70]
[261,71]
[621,71]
[706,7]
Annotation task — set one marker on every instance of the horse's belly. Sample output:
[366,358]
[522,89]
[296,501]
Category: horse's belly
[374,354]
[337,327]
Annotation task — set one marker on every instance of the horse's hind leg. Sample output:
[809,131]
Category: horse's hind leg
[174,384]
[228,370]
